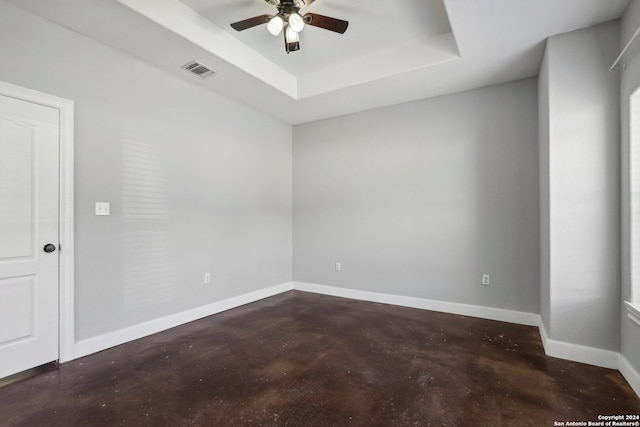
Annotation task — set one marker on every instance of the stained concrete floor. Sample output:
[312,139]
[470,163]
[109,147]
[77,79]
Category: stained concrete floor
[302,359]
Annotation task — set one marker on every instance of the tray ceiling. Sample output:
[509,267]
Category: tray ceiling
[393,52]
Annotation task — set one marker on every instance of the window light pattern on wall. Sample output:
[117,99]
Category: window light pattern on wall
[149,269]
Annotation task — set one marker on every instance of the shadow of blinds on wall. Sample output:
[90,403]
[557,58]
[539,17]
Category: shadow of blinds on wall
[150,276]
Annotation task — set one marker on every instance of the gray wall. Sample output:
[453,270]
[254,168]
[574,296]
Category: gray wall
[422,198]
[583,195]
[630,332]
[545,211]
[197,182]
[417,199]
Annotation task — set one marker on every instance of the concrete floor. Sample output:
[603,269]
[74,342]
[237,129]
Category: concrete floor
[301,359]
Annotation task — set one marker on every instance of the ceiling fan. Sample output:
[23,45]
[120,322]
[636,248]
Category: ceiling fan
[291,21]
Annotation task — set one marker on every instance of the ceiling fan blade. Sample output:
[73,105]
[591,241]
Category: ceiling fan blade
[326,22]
[250,23]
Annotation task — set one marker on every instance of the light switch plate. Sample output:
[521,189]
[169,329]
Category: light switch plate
[103,208]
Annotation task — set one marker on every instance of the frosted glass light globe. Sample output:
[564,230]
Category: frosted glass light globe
[296,22]
[275,25]
[292,36]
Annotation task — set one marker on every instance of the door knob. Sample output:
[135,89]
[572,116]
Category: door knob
[49,247]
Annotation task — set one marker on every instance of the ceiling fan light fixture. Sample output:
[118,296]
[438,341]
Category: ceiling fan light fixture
[275,25]
[296,22]
[289,19]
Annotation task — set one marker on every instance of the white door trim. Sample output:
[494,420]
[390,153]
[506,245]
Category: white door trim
[66,338]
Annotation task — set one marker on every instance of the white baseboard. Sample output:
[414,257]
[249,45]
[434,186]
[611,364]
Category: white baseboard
[578,353]
[629,373]
[553,348]
[560,349]
[112,339]
[510,316]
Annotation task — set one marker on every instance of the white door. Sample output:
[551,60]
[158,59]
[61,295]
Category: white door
[29,162]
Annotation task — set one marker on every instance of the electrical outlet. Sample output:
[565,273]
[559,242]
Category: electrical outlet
[103,208]
[486,280]
[207,278]
[338,266]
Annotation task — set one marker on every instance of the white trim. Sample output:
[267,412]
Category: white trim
[112,339]
[519,317]
[578,353]
[553,348]
[66,205]
[624,50]
[633,312]
[634,205]
[67,224]
[629,373]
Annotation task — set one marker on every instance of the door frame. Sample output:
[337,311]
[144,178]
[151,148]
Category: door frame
[66,328]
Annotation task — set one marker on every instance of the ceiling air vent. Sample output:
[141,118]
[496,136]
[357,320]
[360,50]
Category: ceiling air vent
[199,69]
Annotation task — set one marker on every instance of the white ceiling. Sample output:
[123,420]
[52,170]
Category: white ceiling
[393,51]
